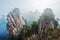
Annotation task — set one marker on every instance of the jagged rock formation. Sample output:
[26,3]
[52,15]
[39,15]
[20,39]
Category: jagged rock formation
[15,24]
[17,27]
[46,20]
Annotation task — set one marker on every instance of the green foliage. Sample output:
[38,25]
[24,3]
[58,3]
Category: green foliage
[28,30]
[34,26]
[49,31]
[28,27]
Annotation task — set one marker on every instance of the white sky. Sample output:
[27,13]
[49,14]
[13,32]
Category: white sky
[30,5]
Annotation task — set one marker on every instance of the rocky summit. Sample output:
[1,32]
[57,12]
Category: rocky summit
[15,23]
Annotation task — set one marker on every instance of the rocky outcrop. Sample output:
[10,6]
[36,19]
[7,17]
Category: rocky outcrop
[15,23]
[32,37]
[46,20]
[55,34]
[17,27]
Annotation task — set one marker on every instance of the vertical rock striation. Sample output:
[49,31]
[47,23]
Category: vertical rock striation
[46,21]
[15,23]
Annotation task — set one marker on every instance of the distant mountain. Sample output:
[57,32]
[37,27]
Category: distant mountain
[31,16]
[3,30]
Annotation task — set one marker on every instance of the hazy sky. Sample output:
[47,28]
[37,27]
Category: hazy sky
[30,5]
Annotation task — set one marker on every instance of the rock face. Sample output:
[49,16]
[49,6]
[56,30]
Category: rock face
[46,20]
[15,23]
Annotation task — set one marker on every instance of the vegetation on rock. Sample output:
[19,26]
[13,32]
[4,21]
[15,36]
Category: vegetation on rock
[44,29]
